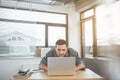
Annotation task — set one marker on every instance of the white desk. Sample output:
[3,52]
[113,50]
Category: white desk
[80,75]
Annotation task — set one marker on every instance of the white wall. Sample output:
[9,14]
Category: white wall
[74,30]
[9,67]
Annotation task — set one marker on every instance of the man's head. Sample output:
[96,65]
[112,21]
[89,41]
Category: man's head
[61,47]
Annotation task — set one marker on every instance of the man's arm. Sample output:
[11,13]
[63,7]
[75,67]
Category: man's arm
[80,67]
[43,64]
[79,62]
[43,67]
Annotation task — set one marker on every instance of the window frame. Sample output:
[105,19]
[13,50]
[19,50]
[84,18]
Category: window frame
[46,26]
[82,20]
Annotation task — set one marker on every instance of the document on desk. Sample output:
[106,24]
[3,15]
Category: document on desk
[80,75]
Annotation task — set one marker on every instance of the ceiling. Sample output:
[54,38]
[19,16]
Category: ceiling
[47,2]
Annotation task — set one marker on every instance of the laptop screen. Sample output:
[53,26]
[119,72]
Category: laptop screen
[61,65]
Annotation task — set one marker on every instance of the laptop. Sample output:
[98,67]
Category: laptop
[61,66]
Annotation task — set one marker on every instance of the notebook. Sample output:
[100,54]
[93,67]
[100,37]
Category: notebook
[61,65]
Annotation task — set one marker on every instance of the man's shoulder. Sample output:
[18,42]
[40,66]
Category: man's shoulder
[51,52]
[71,50]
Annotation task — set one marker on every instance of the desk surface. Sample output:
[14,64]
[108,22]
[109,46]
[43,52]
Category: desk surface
[80,75]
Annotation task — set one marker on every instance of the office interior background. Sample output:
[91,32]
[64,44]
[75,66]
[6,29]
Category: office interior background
[29,28]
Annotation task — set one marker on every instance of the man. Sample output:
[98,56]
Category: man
[61,50]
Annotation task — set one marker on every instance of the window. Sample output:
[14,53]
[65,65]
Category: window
[57,32]
[88,37]
[108,26]
[100,35]
[19,36]
[32,16]
[87,13]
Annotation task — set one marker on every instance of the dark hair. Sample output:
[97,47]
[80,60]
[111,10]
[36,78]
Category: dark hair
[61,42]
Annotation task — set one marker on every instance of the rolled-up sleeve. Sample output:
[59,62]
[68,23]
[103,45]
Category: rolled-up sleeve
[79,61]
[44,60]
[75,54]
[51,53]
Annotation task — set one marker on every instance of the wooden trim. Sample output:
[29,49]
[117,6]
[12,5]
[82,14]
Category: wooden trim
[94,36]
[67,30]
[94,33]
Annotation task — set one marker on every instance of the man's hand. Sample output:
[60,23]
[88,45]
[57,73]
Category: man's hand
[80,67]
[43,67]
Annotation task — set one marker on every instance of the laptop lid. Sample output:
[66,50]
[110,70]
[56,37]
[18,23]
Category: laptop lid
[61,65]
